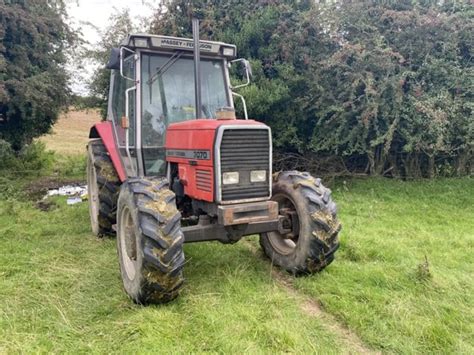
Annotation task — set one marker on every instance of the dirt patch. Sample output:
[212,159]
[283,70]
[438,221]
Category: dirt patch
[46,205]
[36,189]
[312,308]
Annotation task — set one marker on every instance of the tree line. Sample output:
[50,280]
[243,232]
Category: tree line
[384,88]
[380,88]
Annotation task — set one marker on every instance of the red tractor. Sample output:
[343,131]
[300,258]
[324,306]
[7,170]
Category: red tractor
[173,165]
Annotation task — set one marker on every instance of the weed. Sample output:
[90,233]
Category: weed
[422,271]
[9,189]
[32,160]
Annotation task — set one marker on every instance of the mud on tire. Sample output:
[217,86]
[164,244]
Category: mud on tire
[313,248]
[103,188]
[149,241]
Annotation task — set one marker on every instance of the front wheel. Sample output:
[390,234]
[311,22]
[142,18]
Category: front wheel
[311,245]
[149,241]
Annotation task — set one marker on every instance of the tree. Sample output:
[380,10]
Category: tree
[398,88]
[378,87]
[33,78]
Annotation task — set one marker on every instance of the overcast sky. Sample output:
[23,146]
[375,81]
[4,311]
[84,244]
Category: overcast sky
[97,12]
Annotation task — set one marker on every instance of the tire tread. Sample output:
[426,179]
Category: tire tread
[108,183]
[323,221]
[163,253]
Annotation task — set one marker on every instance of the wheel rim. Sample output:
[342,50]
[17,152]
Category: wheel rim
[128,243]
[93,193]
[282,243]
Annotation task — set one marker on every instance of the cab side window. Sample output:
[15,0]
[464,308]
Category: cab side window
[120,85]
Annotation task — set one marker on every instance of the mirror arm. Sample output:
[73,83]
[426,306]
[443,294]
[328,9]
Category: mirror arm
[121,62]
[243,103]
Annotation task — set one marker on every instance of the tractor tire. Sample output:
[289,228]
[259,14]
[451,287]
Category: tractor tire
[312,247]
[149,241]
[103,185]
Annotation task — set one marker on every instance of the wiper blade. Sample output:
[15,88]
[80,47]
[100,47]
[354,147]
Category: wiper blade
[161,70]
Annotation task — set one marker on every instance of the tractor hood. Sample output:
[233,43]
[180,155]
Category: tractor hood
[210,124]
[199,134]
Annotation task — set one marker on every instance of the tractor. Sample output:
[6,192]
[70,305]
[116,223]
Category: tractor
[172,165]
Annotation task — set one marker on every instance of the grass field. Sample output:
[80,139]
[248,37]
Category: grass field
[402,282]
[71,133]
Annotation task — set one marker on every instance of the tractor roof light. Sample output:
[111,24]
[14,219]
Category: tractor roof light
[140,42]
[228,52]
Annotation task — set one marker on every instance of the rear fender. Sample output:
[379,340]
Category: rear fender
[105,132]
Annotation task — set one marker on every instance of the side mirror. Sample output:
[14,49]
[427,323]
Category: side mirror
[114,59]
[247,68]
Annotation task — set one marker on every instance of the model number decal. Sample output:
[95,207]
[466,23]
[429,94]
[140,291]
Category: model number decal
[189,154]
[201,154]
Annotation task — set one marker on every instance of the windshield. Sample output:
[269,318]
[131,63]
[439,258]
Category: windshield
[167,83]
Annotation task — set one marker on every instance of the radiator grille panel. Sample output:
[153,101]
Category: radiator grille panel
[244,150]
[204,180]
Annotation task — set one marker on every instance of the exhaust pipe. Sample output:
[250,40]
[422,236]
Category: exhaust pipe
[197,69]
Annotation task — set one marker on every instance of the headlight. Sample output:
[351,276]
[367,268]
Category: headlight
[258,175]
[230,178]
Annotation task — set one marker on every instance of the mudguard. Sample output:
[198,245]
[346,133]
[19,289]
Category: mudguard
[105,132]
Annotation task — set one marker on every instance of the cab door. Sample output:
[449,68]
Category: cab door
[123,111]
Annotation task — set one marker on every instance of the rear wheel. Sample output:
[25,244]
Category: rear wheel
[103,186]
[149,241]
[314,239]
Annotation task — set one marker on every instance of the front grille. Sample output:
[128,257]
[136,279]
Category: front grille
[244,150]
[204,180]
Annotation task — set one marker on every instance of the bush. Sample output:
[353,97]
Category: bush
[31,160]
[6,154]
[384,88]
[71,166]
[34,159]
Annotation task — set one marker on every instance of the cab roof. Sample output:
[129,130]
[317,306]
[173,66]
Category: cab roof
[171,44]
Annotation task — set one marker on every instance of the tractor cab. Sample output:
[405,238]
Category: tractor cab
[153,86]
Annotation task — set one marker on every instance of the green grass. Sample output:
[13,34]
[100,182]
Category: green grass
[381,287]
[61,291]
[60,287]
